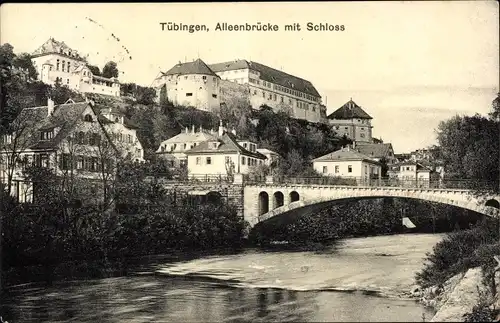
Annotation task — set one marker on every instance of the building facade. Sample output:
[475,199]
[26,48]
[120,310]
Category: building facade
[56,62]
[352,121]
[223,156]
[348,163]
[194,84]
[174,149]
[415,173]
[70,139]
[123,133]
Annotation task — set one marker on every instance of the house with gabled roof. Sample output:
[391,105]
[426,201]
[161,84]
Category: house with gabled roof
[352,121]
[348,163]
[377,151]
[223,155]
[70,138]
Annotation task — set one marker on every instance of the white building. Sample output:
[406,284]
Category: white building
[55,61]
[191,84]
[352,121]
[347,163]
[174,148]
[194,84]
[272,157]
[223,156]
[415,173]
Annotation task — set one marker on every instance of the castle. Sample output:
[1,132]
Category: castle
[56,62]
[206,87]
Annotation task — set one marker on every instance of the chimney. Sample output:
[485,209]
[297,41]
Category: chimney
[221,129]
[201,129]
[348,148]
[192,129]
[233,131]
[50,106]
[354,144]
[186,130]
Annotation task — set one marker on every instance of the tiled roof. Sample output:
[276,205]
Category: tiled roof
[54,46]
[65,116]
[350,110]
[184,137]
[269,74]
[374,150]
[345,155]
[228,144]
[196,67]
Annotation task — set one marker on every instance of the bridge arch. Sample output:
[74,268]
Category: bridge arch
[311,197]
[493,203]
[294,196]
[214,197]
[279,199]
[263,203]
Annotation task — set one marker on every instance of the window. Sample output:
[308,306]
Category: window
[349,169]
[94,164]
[264,94]
[79,162]
[69,65]
[63,65]
[214,96]
[282,99]
[204,78]
[362,135]
[184,146]
[198,160]
[189,94]
[275,98]
[57,67]
[67,81]
[366,169]
[245,145]
[214,79]
[87,118]
[185,77]
[209,160]
[325,169]
[129,137]
[228,159]
[243,160]
[336,169]
[255,92]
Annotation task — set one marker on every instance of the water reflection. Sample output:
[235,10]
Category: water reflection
[163,298]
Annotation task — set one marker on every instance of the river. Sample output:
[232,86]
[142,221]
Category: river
[360,280]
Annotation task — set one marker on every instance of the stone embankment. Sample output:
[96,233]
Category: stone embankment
[458,296]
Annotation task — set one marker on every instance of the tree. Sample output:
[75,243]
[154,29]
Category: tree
[94,69]
[495,105]
[110,70]
[23,62]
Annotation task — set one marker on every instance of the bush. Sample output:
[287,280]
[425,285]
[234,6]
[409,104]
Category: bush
[459,251]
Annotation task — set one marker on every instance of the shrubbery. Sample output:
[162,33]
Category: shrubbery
[459,251]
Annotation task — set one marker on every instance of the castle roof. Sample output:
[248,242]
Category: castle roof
[345,155]
[53,46]
[350,110]
[269,74]
[196,67]
[227,144]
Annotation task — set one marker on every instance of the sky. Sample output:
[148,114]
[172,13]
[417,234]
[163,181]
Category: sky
[409,65]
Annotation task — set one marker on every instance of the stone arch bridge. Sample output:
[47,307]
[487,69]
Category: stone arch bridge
[265,201]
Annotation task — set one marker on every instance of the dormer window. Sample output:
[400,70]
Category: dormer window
[117,120]
[47,135]
[88,118]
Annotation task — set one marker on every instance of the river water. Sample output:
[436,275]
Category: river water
[360,280]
